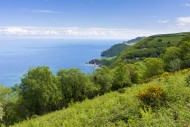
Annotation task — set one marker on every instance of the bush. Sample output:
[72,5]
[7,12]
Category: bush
[153,96]
[121,77]
[154,66]
[165,75]
[103,78]
[187,80]
[185,71]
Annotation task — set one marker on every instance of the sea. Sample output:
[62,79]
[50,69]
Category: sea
[17,56]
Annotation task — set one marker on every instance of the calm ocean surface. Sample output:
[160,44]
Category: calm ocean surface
[18,56]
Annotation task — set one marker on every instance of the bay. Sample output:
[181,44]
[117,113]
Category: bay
[17,56]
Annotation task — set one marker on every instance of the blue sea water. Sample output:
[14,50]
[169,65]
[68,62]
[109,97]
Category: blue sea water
[17,56]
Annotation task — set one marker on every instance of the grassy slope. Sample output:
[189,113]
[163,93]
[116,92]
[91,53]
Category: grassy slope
[118,48]
[151,45]
[122,109]
[114,50]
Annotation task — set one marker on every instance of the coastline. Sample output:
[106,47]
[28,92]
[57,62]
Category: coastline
[94,62]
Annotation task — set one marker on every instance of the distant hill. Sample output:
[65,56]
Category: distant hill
[114,50]
[152,46]
[117,48]
[135,40]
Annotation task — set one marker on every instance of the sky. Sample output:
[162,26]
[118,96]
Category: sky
[92,19]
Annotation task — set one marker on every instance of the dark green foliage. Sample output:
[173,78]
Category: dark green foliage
[154,66]
[114,50]
[74,85]
[4,93]
[140,53]
[9,103]
[106,61]
[185,53]
[119,115]
[14,112]
[121,77]
[118,48]
[133,72]
[187,80]
[39,91]
[135,40]
[186,38]
[103,78]
[172,59]
[159,40]
[4,99]
[152,46]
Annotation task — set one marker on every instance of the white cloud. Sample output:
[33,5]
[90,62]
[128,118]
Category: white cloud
[183,22]
[42,11]
[73,33]
[163,21]
[186,4]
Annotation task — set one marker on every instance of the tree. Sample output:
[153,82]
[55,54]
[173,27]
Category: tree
[1,112]
[121,77]
[75,85]
[171,59]
[186,38]
[4,98]
[9,113]
[39,91]
[154,67]
[140,68]
[133,73]
[102,77]
[185,53]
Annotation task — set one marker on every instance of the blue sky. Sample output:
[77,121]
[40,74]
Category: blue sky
[96,19]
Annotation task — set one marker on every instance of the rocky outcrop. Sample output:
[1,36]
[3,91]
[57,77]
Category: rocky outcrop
[95,62]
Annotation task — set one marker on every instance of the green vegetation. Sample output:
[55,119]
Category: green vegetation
[126,109]
[114,50]
[103,79]
[135,40]
[171,59]
[74,85]
[39,92]
[144,93]
[121,77]
[107,61]
[118,48]
[154,66]
[152,46]
[187,81]
[154,96]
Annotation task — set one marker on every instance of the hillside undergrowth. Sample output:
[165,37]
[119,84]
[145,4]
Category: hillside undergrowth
[124,108]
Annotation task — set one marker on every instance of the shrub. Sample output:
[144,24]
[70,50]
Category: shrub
[185,71]
[121,77]
[153,96]
[154,66]
[165,75]
[187,80]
